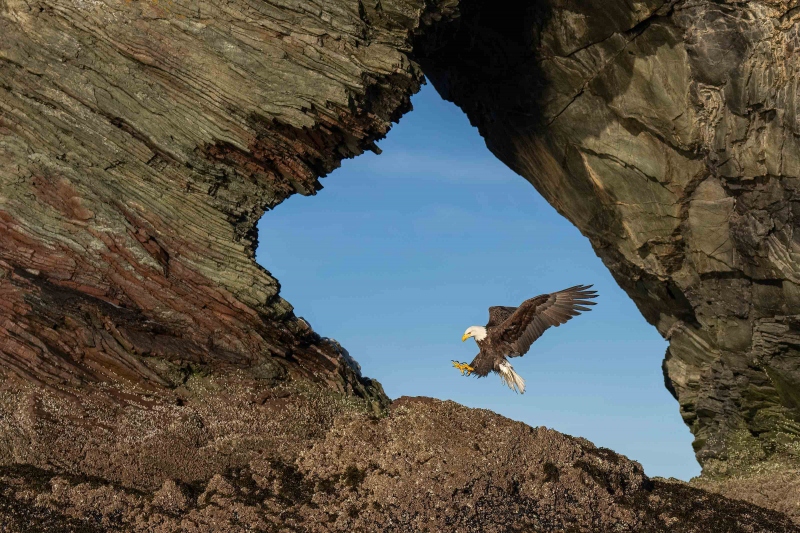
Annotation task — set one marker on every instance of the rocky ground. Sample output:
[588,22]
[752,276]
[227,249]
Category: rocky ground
[230,455]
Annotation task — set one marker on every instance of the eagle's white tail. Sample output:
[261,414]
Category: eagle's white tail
[511,378]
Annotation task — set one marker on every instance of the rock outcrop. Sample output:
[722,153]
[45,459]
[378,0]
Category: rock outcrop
[668,132]
[154,379]
[230,460]
[140,142]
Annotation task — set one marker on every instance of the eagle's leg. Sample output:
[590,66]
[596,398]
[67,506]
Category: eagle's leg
[463,367]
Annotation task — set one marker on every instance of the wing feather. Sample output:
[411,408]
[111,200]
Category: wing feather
[533,317]
[498,314]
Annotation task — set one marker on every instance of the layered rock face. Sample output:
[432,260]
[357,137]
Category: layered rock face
[669,134]
[153,378]
[140,142]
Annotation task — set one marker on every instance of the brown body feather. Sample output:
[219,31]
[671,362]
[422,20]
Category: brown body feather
[511,330]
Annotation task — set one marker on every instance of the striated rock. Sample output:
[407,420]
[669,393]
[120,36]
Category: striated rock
[140,142]
[668,133]
[154,380]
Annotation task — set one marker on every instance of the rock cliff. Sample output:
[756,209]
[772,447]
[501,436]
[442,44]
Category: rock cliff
[140,142]
[668,132]
[154,379]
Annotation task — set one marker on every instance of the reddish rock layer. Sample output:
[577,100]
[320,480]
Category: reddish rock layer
[140,142]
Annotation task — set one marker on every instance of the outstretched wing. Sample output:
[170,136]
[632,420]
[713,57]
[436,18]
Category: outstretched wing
[516,334]
[499,314]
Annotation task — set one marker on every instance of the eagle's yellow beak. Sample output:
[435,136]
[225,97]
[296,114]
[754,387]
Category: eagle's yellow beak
[465,337]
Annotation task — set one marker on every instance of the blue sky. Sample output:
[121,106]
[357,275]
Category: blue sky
[401,252]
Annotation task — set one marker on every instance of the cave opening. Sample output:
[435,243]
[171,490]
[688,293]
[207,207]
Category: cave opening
[402,251]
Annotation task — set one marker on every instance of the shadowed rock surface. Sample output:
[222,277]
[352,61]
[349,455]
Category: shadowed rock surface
[154,380]
[669,134]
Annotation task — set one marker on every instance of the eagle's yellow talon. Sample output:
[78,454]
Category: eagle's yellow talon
[463,367]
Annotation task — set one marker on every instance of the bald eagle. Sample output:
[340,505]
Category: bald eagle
[511,331]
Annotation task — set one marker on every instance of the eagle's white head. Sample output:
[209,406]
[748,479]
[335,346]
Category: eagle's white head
[479,332]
